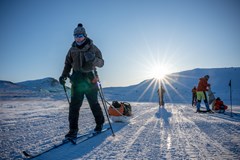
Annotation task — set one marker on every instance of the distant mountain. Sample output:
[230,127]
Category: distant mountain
[42,88]
[179,85]
[13,90]
[8,85]
[47,85]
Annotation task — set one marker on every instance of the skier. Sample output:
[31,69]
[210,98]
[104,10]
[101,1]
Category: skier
[201,93]
[194,96]
[82,58]
[161,92]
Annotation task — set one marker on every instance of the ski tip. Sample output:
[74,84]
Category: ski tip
[26,154]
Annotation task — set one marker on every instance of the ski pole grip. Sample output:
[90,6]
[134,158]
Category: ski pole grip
[95,72]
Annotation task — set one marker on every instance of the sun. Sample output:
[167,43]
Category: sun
[159,72]
[157,68]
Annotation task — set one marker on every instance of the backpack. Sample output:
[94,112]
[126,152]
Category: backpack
[120,109]
[116,109]
[127,109]
[116,104]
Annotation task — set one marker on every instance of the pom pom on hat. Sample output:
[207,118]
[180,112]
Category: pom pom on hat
[80,30]
[206,76]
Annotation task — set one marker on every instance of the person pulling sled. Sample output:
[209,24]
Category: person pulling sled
[82,57]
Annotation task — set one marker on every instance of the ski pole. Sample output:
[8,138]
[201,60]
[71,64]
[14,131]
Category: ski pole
[65,90]
[230,85]
[102,98]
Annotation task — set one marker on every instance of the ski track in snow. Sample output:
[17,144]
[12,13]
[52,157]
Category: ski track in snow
[170,132]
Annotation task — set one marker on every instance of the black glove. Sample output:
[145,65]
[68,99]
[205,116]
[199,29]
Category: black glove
[62,80]
[89,56]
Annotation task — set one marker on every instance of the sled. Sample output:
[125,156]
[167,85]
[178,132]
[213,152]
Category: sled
[120,119]
[120,112]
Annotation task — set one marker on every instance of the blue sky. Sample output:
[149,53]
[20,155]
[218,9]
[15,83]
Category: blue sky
[136,37]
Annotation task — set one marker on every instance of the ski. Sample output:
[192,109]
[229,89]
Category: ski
[64,141]
[28,155]
[87,137]
[201,111]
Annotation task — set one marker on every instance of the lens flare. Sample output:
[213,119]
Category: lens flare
[159,72]
[157,67]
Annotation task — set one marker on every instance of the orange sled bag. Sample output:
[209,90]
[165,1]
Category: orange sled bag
[116,109]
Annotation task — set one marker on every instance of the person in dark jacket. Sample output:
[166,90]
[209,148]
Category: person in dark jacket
[201,92]
[194,96]
[81,59]
[161,92]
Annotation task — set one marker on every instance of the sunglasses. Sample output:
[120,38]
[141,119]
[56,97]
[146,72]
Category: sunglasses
[78,36]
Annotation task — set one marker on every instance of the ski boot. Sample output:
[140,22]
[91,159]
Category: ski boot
[198,110]
[98,128]
[72,134]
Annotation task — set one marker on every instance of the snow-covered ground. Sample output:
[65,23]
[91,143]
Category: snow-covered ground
[172,132]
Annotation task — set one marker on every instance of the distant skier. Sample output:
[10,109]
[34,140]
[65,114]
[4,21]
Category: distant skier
[161,92]
[201,93]
[82,58]
[194,96]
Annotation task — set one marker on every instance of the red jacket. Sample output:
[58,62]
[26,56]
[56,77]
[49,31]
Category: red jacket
[202,84]
[218,104]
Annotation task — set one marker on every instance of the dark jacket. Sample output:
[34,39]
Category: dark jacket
[76,60]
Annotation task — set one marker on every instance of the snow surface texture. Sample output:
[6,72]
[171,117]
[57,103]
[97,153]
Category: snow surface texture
[172,132]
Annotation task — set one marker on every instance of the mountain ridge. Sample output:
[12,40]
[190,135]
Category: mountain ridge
[40,88]
[178,87]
